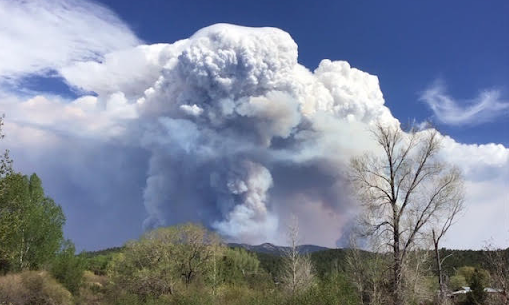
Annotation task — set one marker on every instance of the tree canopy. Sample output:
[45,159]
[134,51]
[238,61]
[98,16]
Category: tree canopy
[30,224]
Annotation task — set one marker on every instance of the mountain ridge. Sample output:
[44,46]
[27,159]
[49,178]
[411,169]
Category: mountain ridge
[269,248]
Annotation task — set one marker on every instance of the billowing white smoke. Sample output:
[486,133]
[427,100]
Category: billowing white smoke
[239,134]
[242,136]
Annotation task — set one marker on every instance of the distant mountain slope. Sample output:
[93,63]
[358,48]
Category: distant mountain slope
[325,261]
[107,251]
[269,248]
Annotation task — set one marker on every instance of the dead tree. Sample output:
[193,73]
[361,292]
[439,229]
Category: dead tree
[298,268]
[498,260]
[442,223]
[368,273]
[401,189]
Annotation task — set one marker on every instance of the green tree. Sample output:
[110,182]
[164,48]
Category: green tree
[195,249]
[30,223]
[68,268]
[456,282]
[468,273]
[146,267]
[237,265]
[41,231]
[43,236]
[477,295]
[9,219]
[13,200]
[156,264]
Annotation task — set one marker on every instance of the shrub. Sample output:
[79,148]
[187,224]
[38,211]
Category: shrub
[33,288]
[334,289]
[98,264]
[68,268]
[93,289]
[242,295]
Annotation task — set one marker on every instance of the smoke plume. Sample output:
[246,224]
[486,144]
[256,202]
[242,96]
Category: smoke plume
[231,130]
[242,136]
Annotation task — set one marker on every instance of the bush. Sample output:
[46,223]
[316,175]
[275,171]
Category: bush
[237,295]
[68,268]
[477,295]
[165,260]
[93,289]
[98,264]
[33,288]
[334,289]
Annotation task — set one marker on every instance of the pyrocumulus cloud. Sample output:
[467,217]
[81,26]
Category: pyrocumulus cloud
[232,131]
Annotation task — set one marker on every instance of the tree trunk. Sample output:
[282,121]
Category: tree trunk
[397,269]
[441,284]
[21,248]
[187,277]
[397,296]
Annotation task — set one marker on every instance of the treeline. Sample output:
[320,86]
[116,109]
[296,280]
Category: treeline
[336,260]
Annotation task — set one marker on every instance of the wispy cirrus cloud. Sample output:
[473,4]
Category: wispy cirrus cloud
[486,107]
[38,36]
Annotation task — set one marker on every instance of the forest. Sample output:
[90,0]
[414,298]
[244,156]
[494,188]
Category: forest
[190,264]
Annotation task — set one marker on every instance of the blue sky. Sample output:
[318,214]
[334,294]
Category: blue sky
[407,44]
[112,122]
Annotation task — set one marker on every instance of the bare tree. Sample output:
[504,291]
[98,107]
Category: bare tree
[368,273]
[298,268]
[5,160]
[498,260]
[441,224]
[416,272]
[402,190]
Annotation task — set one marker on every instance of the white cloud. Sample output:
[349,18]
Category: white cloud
[486,218]
[86,117]
[130,71]
[486,107]
[486,173]
[191,110]
[356,94]
[42,35]
[478,162]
